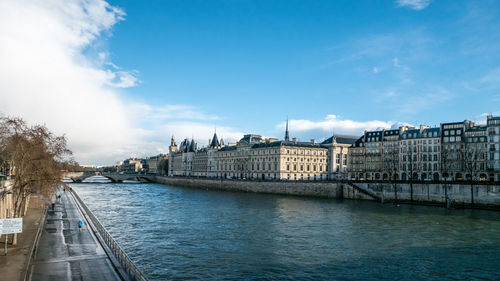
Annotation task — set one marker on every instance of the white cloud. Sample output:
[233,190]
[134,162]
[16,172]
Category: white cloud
[482,118]
[332,124]
[45,77]
[414,4]
[376,70]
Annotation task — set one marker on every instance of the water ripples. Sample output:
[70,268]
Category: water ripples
[181,233]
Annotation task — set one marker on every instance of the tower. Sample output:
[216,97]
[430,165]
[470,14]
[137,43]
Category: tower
[287,136]
[173,146]
[215,141]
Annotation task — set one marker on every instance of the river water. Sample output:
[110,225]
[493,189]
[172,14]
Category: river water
[181,233]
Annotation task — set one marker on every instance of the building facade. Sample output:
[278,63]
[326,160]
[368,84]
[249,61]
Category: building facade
[253,157]
[154,163]
[453,151]
[493,128]
[420,153]
[337,155]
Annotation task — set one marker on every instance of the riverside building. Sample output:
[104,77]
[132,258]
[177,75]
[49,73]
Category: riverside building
[493,166]
[337,154]
[253,157]
[454,151]
[419,153]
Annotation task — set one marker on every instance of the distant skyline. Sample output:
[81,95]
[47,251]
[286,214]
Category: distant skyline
[120,77]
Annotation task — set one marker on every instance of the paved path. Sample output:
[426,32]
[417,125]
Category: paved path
[64,253]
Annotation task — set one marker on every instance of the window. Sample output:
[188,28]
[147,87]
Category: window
[446,133]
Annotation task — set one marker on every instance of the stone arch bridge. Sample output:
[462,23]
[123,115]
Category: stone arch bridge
[78,177]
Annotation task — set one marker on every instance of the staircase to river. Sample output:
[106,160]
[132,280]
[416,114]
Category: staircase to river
[365,191]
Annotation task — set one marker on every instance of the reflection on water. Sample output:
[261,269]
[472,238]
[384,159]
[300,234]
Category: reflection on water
[172,232]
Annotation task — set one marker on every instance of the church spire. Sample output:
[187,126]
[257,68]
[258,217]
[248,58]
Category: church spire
[287,136]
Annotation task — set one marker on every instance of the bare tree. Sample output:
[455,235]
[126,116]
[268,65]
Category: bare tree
[446,167]
[35,156]
[469,157]
[390,161]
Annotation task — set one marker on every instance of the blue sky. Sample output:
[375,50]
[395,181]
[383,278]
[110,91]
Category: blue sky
[159,68]
[255,62]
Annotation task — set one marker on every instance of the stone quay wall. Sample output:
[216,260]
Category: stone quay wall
[459,194]
[298,188]
[443,194]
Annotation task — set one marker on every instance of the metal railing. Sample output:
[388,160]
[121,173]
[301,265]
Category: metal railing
[26,275]
[124,262]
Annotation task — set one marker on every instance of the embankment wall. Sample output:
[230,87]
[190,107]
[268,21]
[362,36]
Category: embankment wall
[314,189]
[459,195]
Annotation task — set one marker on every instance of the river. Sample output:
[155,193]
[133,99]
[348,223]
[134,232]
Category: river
[181,233]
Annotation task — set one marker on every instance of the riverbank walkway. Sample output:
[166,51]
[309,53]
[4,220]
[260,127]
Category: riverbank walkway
[64,252]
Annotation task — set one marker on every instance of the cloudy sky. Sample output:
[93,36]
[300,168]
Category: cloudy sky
[120,77]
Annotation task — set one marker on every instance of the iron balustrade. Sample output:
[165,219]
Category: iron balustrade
[128,267]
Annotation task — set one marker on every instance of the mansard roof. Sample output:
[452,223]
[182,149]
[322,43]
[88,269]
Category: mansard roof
[341,139]
[286,143]
[228,148]
[418,133]
[391,132]
[477,128]
[251,138]
[359,142]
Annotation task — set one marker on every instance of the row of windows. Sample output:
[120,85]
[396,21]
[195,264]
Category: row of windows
[415,135]
[424,149]
[425,157]
[258,167]
[452,132]
[452,126]
[423,167]
[414,142]
[308,168]
[452,139]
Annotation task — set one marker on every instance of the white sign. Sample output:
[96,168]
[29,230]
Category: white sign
[10,226]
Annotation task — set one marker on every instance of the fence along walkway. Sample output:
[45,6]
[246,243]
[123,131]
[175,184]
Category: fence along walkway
[120,260]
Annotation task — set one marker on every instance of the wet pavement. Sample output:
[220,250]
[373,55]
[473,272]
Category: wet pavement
[64,252]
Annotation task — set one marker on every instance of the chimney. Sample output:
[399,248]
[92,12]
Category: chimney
[313,141]
[423,127]
[294,140]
